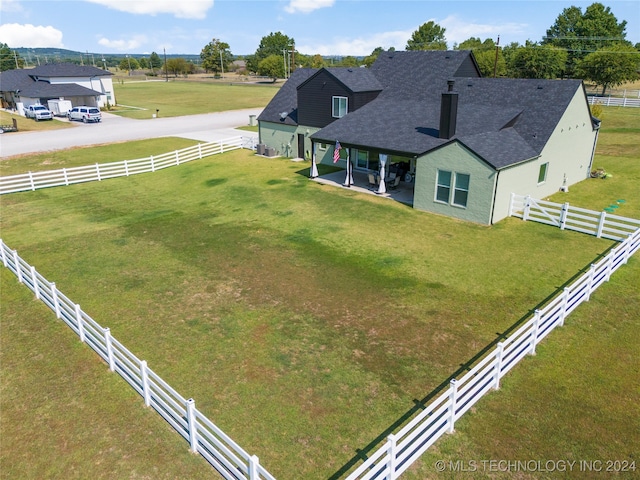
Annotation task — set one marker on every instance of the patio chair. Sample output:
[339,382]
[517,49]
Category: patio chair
[393,185]
[372,180]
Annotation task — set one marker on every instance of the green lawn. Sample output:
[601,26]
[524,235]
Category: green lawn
[28,124]
[303,319]
[187,98]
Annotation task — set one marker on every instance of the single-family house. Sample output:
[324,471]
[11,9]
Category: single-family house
[461,143]
[82,85]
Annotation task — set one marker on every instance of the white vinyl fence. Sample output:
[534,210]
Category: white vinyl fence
[125,168]
[614,101]
[226,456]
[409,443]
[601,224]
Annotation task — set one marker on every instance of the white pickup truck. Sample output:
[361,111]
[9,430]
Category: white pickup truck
[38,112]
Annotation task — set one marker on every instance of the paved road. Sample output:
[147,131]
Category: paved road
[206,128]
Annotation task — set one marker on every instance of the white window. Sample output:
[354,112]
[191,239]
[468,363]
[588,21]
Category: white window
[452,188]
[339,107]
[322,146]
[542,173]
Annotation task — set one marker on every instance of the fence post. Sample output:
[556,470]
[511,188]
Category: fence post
[33,185]
[56,302]
[527,207]
[565,303]
[199,150]
[391,454]
[4,254]
[609,258]
[563,215]
[511,200]
[126,168]
[498,367]
[193,427]
[34,280]
[153,165]
[254,461]
[66,177]
[592,274]
[603,217]
[534,336]
[16,260]
[79,320]
[98,172]
[627,248]
[453,394]
[108,341]
[177,158]
[145,383]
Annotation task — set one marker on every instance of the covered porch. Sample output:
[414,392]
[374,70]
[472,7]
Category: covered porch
[402,193]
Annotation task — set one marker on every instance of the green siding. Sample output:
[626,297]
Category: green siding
[455,158]
[284,138]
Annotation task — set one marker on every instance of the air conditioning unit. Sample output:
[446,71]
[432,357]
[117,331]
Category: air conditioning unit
[261,148]
[270,152]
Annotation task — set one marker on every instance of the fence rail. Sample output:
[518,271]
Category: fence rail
[125,168]
[601,224]
[204,437]
[411,441]
[614,101]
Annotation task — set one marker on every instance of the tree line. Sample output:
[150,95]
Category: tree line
[590,45]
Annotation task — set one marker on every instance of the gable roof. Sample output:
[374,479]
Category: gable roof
[504,121]
[286,100]
[28,83]
[67,70]
[353,79]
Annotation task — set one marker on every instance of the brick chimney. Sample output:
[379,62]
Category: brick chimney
[448,112]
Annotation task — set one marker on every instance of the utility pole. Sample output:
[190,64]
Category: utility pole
[495,62]
[166,75]
[293,57]
[15,56]
[221,65]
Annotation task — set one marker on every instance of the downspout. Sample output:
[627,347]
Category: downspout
[593,150]
[495,195]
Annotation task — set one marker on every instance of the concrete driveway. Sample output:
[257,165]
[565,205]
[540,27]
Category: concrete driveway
[208,127]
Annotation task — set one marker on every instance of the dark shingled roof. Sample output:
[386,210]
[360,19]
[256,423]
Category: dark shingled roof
[26,82]
[356,79]
[286,100]
[67,70]
[504,121]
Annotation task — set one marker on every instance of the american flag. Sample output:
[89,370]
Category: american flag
[336,152]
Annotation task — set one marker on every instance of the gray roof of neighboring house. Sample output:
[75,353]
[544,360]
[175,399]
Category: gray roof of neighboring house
[25,81]
[67,70]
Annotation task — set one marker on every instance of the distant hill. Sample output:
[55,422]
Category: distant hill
[41,56]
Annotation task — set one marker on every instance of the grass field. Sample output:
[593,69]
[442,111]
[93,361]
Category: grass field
[28,124]
[187,98]
[304,320]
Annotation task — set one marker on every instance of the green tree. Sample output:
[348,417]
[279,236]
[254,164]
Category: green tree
[429,36]
[129,64]
[216,56]
[155,61]
[610,66]
[273,44]
[143,62]
[368,60]
[178,66]
[485,54]
[272,66]
[581,34]
[535,61]
[9,58]
[317,61]
[348,61]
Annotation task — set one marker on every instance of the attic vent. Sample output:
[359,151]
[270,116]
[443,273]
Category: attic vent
[349,69]
[540,87]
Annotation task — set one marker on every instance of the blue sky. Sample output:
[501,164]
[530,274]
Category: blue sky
[327,27]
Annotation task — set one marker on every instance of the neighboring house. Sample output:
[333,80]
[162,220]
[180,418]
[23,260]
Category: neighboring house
[82,85]
[465,143]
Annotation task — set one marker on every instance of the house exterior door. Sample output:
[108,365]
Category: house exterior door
[300,145]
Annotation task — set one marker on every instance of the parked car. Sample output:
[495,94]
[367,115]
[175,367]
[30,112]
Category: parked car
[86,114]
[38,112]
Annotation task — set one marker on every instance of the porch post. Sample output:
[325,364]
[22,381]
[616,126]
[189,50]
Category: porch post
[314,168]
[382,188]
[349,180]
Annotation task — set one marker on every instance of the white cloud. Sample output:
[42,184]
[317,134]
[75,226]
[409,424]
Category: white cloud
[193,9]
[30,36]
[306,6]
[129,45]
[458,30]
[360,46]
[10,6]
